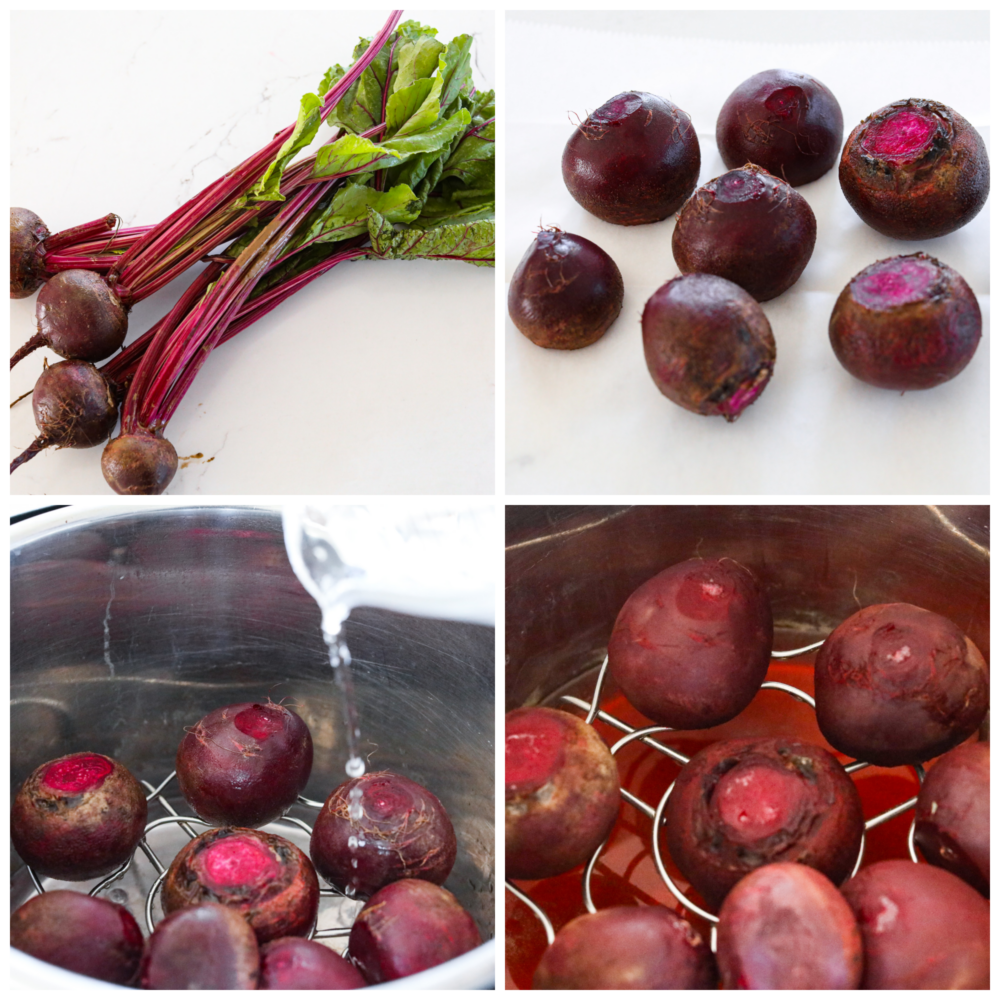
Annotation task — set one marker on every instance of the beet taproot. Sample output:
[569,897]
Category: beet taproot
[139,464]
[27,271]
[293,963]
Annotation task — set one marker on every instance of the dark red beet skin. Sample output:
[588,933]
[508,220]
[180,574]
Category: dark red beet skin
[245,764]
[708,345]
[788,123]
[748,227]
[915,170]
[293,963]
[139,464]
[627,948]
[566,291]
[85,934]
[691,646]
[407,927]
[561,792]
[634,160]
[896,684]
[399,830]
[740,804]
[27,271]
[906,323]
[78,817]
[265,878]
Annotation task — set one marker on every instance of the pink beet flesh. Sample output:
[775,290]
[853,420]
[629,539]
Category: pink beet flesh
[901,136]
[260,721]
[533,751]
[238,861]
[757,802]
[898,281]
[78,774]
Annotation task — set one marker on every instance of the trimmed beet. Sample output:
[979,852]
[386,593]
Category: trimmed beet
[627,948]
[748,227]
[207,947]
[562,792]
[139,464]
[379,828]
[293,963]
[566,291]
[691,646]
[785,927]
[85,934]
[953,815]
[245,764]
[906,323]
[923,928]
[708,345]
[27,271]
[896,684]
[740,804]
[788,123]
[407,927]
[78,817]
[915,170]
[634,160]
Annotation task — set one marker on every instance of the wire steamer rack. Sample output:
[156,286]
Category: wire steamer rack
[655,813]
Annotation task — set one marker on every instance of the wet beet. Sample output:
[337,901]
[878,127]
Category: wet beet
[566,291]
[78,817]
[691,646]
[85,934]
[634,160]
[906,323]
[788,123]
[398,830]
[708,345]
[27,271]
[915,170]
[741,804]
[896,684]
[245,764]
[139,464]
[748,227]
[561,795]
[293,963]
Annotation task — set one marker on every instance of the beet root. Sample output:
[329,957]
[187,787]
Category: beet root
[78,817]
[293,963]
[634,160]
[207,947]
[85,934]
[748,227]
[627,948]
[915,170]
[245,764]
[562,793]
[265,878]
[896,684]
[906,323]
[708,345]
[566,291]
[740,804]
[407,927]
[923,928]
[953,815]
[380,828]
[27,270]
[690,647]
[786,122]
[140,464]
[786,927]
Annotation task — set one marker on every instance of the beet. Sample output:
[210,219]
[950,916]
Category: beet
[785,927]
[245,764]
[788,123]
[398,830]
[85,934]
[634,160]
[207,947]
[953,815]
[915,170]
[78,817]
[923,928]
[27,272]
[140,464]
[627,948]
[566,291]
[708,345]
[748,227]
[407,927]
[906,323]
[691,646]
[740,804]
[293,963]
[896,684]
[562,792]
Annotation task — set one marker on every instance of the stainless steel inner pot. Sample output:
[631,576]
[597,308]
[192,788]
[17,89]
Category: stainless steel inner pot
[128,625]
